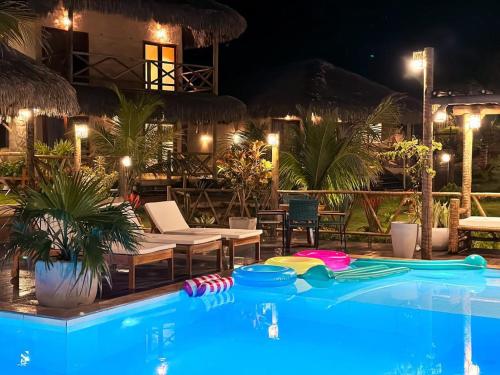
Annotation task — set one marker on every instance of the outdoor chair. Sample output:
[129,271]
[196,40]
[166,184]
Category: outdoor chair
[185,244]
[302,213]
[166,218]
[338,218]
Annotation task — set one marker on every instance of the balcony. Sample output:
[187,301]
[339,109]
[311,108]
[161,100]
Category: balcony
[129,73]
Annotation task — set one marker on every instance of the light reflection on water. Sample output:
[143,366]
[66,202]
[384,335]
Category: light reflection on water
[413,324]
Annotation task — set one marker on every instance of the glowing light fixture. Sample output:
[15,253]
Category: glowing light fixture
[416,64]
[445,157]
[440,117]
[273,139]
[25,114]
[81,131]
[474,121]
[236,138]
[126,161]
[159,32]
[315,119]
[205,138]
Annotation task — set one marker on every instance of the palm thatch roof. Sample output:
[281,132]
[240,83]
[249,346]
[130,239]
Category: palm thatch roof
[27,84]
[202,20]
[316,85]
[183,107]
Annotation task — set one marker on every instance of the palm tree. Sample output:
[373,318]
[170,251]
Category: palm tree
[15,23]
[130,133]
[336,154]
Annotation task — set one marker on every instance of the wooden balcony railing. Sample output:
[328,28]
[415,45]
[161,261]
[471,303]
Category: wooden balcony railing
[130,73]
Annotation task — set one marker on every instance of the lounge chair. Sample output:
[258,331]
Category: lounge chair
[166,218]
[187,244]
[147,253]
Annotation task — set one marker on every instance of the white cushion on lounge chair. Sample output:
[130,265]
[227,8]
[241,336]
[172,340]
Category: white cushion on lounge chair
[181,239]
[143,248]
[167,217]
[225,233]
[481,222]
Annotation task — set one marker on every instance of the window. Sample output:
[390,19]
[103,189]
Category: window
[159,69]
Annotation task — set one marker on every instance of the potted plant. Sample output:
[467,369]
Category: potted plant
[404,234]
[244,168]
[67,229]
[440,226]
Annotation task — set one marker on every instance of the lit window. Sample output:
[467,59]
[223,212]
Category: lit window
[159,69]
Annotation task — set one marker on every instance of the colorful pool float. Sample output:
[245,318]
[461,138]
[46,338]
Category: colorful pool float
[323,273]
[299,264]
[264,275]
[335,260]
[472,262]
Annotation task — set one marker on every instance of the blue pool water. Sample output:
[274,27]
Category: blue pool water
[424,322]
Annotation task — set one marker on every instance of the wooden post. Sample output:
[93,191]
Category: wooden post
[427,201]
[214,150]
[78,153]
[454,220]
[215,63]
[467,165]
[123,173]
[30,150]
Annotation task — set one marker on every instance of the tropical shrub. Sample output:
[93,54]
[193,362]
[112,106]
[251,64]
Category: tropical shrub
[97,171]
[12,168]
[244,168]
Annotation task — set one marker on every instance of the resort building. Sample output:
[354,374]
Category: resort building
[137,47]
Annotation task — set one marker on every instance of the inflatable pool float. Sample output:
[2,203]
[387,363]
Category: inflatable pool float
[335,260]
[299,264]
[264,275]
[323,273]
[472,262]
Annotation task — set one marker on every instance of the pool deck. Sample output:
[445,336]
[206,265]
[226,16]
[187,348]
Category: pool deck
[151,280]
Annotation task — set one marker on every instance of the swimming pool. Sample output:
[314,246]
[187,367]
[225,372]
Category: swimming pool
[424,322]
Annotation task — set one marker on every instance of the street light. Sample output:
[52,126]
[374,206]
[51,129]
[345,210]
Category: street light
[126,161]
[81,132]
[273,139]
[423,61]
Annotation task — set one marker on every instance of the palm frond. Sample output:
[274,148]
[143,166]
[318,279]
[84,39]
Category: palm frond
[16,21]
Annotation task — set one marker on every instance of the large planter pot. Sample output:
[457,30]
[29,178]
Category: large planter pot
[59,285]
[243,222]
[440,238]
[404,239]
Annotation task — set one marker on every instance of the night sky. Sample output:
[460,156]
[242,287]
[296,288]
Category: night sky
[371,39]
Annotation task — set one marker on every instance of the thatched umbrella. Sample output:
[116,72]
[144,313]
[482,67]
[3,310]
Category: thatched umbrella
[205,21]
[316,85]
[25,84]
[178,106]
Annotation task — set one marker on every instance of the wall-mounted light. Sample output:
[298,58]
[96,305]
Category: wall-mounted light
[273,139]
[126,161]
[474,121]
[25,114]
[81,131]
[205,138]
[445,157]
[159,32]
[440,117]
[236,138]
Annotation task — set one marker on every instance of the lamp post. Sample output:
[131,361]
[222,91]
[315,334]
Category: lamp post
[273,139]
[125,164]
[446,158]
[424,61]
[81,132]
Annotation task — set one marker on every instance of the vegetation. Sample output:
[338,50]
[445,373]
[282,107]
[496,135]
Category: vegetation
[98,172]
[60,148]
[334,154]
[131,133]
[12,168]
[243,166]
[68,215]
[15,20]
